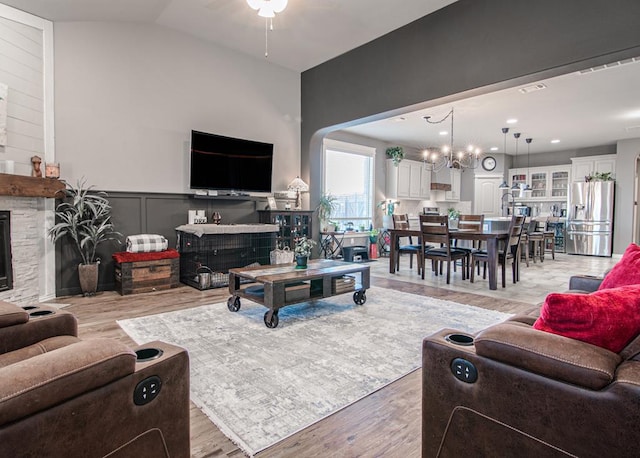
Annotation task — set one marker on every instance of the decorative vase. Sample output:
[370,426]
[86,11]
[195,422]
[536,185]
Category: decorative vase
[88,275]
[387,221]
[453,223]
[301,262]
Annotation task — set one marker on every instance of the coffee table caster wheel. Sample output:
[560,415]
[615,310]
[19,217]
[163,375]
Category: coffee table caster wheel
[359,297]
[274,320]
[233,303]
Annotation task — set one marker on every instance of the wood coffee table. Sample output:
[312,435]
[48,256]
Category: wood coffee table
[277,286]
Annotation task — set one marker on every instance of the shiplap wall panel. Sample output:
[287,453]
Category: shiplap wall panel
[21,69]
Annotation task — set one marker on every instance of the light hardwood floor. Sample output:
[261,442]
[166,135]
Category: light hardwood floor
[385,423]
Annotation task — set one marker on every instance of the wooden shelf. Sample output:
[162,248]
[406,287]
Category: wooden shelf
[440,187]
[23,186]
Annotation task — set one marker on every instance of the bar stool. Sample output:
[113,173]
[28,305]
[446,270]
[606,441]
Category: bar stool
[549,235]
[533,239]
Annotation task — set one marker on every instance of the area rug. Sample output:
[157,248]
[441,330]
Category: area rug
[260,385]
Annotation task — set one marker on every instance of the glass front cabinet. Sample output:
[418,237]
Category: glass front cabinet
[293,224]
[547,183]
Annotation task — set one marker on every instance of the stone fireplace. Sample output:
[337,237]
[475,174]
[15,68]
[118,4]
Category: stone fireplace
[27,238]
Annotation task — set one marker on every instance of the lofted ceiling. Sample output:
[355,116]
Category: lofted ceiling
[306,33]
[593,108]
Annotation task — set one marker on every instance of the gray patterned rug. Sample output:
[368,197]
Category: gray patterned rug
[260,385]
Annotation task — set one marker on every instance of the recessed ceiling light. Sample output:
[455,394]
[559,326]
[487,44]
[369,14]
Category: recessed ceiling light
[443,132]
[512,121]
[555,140]
[494,148]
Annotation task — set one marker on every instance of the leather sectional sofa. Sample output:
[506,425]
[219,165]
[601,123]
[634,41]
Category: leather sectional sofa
[65,397]
[516,390]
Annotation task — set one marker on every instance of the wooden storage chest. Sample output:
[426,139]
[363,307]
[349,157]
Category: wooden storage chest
[147,275]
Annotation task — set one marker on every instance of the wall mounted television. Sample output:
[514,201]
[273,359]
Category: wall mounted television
[230,164]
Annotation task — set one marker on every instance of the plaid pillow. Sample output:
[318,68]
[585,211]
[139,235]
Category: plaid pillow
[146,243]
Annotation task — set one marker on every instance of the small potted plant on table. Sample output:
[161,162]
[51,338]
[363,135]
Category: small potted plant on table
[302,251]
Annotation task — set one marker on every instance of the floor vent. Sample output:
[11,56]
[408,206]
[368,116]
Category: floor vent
[532,88]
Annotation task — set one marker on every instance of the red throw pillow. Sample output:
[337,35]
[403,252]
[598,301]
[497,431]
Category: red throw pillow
[609,318]
[626,271]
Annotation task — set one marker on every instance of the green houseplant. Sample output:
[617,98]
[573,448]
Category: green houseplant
[302,251]
[326,206]
[396,153]
[84,217]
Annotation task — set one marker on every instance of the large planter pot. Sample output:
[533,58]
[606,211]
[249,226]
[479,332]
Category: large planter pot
[88,274]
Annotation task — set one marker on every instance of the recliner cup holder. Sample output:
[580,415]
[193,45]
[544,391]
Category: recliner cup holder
[460,339]
[30,307]
[147,354]
[41,313]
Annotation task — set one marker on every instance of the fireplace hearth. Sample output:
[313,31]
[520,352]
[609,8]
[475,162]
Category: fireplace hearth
[6,268]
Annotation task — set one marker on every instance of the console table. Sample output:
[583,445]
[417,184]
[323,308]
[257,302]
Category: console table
[208,251]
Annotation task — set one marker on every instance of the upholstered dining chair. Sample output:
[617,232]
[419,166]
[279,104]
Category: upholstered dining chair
[509,250]
[402,222]
[435,229]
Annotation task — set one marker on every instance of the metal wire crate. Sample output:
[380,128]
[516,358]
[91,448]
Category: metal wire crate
[219,253]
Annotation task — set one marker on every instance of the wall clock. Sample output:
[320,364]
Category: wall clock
[489,163]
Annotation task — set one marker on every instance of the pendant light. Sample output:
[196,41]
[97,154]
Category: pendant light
[515,186]
[528,188]
[505,130]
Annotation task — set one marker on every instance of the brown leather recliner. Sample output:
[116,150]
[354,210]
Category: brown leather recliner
[65,397]
[512,390]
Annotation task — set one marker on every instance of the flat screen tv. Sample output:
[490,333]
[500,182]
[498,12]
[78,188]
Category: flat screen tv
[230,164]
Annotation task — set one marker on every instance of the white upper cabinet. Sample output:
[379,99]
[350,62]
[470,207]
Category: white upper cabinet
[582,167]
[547,183]
[408,180]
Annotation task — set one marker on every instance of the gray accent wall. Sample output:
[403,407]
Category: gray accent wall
[467,48]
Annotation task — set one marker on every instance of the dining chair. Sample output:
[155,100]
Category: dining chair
[510,249]
[435,229]
[474,222]
[402,222]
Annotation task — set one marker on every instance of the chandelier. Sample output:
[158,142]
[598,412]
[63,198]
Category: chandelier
[267,9]
[467,158]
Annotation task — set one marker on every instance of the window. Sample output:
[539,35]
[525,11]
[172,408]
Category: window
[348,176]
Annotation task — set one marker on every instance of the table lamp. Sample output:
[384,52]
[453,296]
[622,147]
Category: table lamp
[299,187]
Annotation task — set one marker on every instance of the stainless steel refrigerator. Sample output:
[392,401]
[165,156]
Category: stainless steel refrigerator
[590,218]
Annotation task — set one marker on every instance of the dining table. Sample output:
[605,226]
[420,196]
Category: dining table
[490,237]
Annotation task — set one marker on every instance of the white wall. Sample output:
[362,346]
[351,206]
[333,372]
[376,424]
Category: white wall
[128,95]
[26,62]
[627,152]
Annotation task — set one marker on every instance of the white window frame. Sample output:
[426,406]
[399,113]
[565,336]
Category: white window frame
[351,148]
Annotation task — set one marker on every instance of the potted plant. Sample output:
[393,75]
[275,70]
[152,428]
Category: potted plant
[85,218]
[388,207]
[326,206]
[454,216]
[302,251]
[396,153]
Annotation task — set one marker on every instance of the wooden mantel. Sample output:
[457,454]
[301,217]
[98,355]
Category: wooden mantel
[23,186]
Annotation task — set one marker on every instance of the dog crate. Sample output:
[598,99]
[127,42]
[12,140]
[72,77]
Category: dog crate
[205,261]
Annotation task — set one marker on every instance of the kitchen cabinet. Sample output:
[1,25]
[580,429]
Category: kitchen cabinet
[547,183]
[582,167]
[454,194]
[409,180]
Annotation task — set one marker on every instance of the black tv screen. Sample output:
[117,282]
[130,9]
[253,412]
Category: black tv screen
[230,164]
